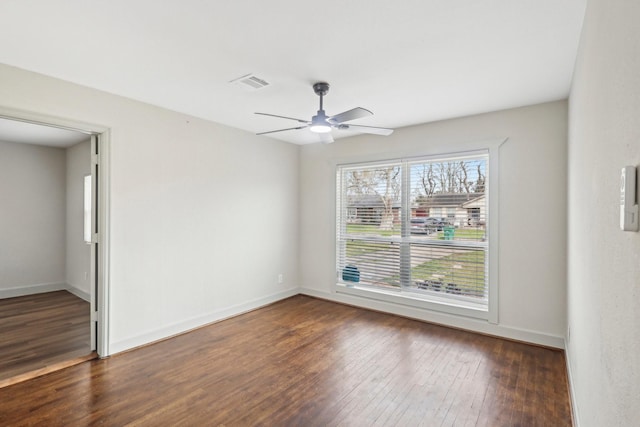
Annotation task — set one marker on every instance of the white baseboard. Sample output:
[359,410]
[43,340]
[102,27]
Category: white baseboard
[444,319]
[473,325]
[574,402]
[78,292]
[196,322]
[39,288]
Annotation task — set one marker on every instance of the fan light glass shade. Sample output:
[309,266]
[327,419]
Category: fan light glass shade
[319,123]
[320,128]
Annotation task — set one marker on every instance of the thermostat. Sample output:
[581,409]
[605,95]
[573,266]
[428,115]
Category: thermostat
[628,202]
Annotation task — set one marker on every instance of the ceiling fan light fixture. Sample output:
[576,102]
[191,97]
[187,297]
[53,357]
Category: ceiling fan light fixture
[320,128]
[319,124]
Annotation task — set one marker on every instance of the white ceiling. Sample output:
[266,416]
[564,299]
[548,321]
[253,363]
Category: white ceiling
[408,61]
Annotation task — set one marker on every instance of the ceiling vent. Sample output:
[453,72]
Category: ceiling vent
[250,82]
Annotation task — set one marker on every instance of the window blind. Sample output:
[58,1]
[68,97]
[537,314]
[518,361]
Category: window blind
[416,226]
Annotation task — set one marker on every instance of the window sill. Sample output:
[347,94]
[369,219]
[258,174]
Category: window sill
[410,299]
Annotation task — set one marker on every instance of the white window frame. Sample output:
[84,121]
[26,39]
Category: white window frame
[445,305]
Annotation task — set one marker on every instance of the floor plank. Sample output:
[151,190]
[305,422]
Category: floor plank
[305,361]
[39,332]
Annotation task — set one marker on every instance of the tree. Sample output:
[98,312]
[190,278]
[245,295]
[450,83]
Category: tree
[389,177]
[455,177]
[480,183]
[463,178]
[427,179]
[382,182]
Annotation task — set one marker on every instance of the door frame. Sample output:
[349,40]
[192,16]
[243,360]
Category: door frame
[100,263]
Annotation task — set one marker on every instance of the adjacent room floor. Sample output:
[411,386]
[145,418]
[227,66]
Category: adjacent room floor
[41,332]
[305,361]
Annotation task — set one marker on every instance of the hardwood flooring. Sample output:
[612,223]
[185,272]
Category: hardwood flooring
[42,332]
[305,362]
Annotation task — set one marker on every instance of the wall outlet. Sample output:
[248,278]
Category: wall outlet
[280,278]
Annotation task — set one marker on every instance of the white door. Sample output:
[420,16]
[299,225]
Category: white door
[95,240]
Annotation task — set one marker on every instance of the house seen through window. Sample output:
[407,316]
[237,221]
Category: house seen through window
[417,227]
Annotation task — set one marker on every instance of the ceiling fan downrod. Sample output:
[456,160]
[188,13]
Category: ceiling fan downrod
[321,89]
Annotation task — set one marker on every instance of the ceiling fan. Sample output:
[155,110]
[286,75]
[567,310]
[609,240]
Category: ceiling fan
[322,124]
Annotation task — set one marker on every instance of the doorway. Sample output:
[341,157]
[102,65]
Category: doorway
[32,265]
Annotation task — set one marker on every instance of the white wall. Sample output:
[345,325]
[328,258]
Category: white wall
[32,219]
[78,253]
[604,263]
[532,250]
[203,216]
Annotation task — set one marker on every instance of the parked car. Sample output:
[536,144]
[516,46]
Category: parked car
[420,226]
[436,223]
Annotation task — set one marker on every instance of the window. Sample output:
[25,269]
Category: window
[416,228]
[87,209]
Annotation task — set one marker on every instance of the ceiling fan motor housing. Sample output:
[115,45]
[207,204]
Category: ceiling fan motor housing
[321,88]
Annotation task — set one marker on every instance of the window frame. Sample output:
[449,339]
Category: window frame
[491,148]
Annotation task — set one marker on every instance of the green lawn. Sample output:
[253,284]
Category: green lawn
[465,269]
[469,273]
[371,229]
[356,248]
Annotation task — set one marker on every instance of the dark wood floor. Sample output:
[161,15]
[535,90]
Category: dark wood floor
[40,331]
[305,362]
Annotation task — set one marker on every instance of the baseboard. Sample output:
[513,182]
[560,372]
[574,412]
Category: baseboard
[78,292]
[469,324]
[197,322]
[39,288]
[572,396]
[466,323]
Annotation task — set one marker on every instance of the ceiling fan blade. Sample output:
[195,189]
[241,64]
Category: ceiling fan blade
[283,117]
[326,138]
[281,130]
[369,129]
[355,113]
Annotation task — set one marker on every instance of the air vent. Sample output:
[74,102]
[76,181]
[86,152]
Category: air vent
[250,82]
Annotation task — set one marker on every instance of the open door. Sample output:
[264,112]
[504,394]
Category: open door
[95,239]
[97,234]
[100,243]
